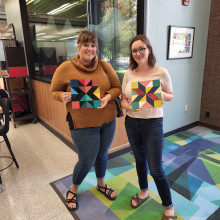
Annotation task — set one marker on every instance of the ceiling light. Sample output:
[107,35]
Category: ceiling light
[29,1]
[58,10]
[40,34]
[67,38]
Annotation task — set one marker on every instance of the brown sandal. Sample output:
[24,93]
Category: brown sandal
[138,200]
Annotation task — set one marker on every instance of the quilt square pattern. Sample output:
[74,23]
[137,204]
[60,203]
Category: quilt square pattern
[85,93]
[146,94]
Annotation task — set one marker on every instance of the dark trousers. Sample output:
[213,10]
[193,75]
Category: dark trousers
[146,140]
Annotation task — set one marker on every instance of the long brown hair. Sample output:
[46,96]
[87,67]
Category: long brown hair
[151,58]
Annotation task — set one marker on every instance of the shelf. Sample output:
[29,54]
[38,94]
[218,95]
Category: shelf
[17,77]
[26,116]
[22,91]
[18,88]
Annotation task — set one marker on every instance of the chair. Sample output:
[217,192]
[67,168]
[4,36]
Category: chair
[4,94]
[4,128]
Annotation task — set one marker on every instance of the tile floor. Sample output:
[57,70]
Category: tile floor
[42,158]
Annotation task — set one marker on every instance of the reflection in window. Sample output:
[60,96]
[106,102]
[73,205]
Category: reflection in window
[54,27]
[115,23]
[55,24]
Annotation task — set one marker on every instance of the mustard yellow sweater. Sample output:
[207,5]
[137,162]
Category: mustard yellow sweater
[109,83]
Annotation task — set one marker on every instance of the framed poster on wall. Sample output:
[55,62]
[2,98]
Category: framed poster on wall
[180,42]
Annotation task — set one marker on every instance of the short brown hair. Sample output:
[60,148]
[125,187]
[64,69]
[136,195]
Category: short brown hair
[86,36]
[151,58]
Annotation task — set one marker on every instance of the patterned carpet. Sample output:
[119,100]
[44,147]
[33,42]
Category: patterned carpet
[191,162]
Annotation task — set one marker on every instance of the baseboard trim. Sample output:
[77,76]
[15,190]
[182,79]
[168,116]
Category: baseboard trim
[119,152]
[128,149]
[58,135]
[186,127]
[209,126]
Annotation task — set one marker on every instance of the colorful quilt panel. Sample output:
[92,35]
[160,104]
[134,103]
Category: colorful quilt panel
[85,93]
[146,94]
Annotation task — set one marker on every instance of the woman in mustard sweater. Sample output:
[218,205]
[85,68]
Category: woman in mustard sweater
[92,129]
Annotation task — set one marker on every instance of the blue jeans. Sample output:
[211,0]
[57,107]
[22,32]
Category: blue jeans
[92,146]
[146,140]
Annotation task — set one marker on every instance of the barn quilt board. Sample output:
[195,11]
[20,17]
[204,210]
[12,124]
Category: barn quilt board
[85,93]
[146,94]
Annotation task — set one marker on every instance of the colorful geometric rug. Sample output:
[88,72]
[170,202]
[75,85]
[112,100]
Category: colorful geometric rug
[191,160]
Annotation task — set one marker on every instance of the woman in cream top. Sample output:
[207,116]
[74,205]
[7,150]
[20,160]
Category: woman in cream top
[144,127]
[166,85]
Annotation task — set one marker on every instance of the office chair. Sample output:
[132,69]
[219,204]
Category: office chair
[4,128]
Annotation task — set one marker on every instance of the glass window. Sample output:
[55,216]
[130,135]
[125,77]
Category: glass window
[54,27]
[115,24]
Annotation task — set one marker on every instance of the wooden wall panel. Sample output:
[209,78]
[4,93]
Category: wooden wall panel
[49,110]
[53,113]
[120,140]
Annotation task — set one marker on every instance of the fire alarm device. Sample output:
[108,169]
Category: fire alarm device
[185,2]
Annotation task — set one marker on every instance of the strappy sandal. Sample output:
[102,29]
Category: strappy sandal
[138,200]
[72,200]
[107,195]
[167,217]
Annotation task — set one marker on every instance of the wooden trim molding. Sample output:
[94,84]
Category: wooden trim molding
[209,126]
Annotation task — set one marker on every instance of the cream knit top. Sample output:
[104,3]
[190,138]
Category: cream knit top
[166,86]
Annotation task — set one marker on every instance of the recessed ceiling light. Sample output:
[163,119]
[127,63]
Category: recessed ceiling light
[58,10]
[40,34]
[65,38]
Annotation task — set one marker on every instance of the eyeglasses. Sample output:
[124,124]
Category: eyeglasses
[140,50]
